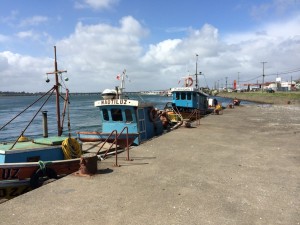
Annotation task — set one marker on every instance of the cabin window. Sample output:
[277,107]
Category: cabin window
[128,115]
[116,114]
[183,96]
[189,96]
[177,96]
[105,114]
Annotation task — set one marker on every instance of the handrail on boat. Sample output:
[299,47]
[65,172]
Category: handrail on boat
[104,142]
[127,143]
[196,112]
[115,132]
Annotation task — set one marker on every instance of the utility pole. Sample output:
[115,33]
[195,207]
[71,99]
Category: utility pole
[226,82]
[263,81]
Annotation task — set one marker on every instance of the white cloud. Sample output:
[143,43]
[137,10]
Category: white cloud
[23,73]
[3,38]
[25,34]
[10,18]
[94,54]
[277,42]
[33,21]
[96,4]
[274,8]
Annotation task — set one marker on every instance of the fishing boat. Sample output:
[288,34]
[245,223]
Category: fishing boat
[188,102]
[124,121]
[27,162]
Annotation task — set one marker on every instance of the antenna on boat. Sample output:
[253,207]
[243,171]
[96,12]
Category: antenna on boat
[56,87]
[196,74]
[122,83]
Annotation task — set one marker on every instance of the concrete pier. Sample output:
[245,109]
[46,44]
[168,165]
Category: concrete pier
[241,167]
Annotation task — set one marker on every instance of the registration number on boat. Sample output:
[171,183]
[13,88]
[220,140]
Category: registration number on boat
[9,173]
[114,102]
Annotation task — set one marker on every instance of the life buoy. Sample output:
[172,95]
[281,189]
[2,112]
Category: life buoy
[189,82]
[45,172]
[71,148]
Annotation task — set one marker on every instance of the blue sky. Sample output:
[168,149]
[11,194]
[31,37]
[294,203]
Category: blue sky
[155,41]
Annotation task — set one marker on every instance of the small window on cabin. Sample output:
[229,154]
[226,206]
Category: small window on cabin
[189,96]
[105,114]
[128,115]
[116,114]
[183,96]
[177,96]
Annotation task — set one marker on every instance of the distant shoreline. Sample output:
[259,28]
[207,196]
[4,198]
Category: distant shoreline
[40,93]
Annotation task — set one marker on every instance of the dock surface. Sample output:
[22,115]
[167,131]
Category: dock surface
[242,167]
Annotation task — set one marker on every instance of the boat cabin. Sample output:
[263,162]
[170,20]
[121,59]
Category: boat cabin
[140,118]
[188,98]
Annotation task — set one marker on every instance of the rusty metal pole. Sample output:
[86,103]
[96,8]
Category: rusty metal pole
[127,145]
[116,149]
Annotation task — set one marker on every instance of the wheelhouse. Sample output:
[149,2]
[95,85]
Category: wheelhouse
[189,98]
[115,114]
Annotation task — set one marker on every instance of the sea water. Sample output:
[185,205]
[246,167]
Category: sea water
[82,114]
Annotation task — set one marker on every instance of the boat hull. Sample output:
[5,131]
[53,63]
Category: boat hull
[13,188]
[22,171]
[17,178]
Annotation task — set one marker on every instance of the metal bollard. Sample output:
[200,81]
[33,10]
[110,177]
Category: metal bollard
[45,124]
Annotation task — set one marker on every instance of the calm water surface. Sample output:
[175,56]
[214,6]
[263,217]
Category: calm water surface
[83,115]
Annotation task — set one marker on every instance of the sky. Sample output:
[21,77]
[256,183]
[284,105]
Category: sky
[157,42]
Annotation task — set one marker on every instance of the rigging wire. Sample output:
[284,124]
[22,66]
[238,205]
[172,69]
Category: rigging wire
[27,108]
[33,118]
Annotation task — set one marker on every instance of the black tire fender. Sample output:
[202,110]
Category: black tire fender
[35,178]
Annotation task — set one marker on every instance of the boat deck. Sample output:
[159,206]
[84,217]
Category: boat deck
[32,144]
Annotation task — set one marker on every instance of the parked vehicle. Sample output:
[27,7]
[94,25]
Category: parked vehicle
[270,90]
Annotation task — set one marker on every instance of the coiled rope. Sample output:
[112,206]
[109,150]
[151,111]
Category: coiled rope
[71,148]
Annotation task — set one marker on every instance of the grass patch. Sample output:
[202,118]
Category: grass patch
[264,97]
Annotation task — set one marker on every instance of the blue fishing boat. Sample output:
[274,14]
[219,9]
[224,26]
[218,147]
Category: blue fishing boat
[27,162]
[124,121]
[188,102]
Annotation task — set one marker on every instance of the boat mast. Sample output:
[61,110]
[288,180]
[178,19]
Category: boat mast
[196,71]
[56,87]
[122,83]
[196,74]
[59,130]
